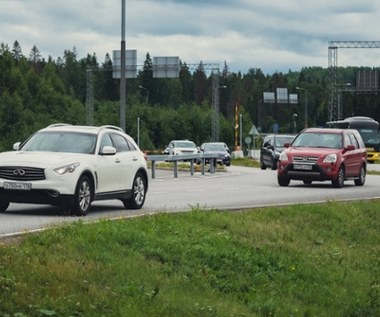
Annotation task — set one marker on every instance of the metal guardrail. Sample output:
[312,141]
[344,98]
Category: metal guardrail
[192,158]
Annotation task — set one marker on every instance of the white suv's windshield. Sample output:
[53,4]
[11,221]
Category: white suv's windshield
[185,144]
[70,142]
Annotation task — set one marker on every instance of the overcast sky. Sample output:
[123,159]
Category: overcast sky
[273,35]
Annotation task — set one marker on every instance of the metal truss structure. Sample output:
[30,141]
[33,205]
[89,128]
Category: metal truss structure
[334,112]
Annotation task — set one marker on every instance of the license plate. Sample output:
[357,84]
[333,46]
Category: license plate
[304,167]
[17,186]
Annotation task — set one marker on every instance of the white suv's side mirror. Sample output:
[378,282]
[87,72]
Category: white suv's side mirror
[108,150]
[16,146]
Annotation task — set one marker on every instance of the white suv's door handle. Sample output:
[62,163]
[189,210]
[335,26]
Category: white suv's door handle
[117,160]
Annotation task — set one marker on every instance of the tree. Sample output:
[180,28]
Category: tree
[35,55]
[16,51]
[200,84]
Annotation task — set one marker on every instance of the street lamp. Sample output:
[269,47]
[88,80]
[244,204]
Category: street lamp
[147,92]
[306,111]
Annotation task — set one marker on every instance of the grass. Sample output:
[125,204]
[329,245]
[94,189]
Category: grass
[302,260]
[246,161]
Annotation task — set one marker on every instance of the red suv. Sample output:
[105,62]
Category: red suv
[318,154]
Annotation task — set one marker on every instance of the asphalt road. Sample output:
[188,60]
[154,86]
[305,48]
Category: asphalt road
[237,188]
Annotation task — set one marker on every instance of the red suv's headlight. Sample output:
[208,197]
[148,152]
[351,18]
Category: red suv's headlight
[331,158]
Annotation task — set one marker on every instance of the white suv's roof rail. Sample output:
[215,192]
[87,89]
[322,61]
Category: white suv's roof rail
[58,125]
[113,127]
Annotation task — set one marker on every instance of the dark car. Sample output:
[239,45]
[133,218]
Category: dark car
[220,148]
[273,145]
[318,154]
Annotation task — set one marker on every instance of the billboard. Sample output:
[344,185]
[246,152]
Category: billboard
[166,67]
[269,97]
[282,95]
[130,64]
[367,80]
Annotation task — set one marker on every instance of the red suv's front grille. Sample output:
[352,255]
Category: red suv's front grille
[305,159]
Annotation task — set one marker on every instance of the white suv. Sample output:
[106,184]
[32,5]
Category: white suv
[72,166]
[178,147]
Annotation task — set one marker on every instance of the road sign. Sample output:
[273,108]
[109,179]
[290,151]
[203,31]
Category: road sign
[253,131]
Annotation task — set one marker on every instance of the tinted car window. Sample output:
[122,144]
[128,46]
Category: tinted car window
[354,142]
[120,143]
[106,141]
[281,140]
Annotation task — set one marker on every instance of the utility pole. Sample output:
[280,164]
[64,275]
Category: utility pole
[122,69]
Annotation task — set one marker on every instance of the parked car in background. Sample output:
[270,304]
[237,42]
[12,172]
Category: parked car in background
[273,145]
[219,148]
[318,154]
[178,147]
[72,166]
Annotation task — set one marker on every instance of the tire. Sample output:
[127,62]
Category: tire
[339,181]
[83,197]
[283,180]
[263,166]
[274,165]
[361,180]
[136,201]
[3,205]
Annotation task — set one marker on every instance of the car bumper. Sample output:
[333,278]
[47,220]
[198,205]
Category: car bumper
[316,173]
[36,196]
[57,191]
[220,160]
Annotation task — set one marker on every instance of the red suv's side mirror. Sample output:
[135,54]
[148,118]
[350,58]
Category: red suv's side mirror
[350,147]
[286,145]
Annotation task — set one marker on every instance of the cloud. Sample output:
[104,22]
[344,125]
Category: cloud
[273,35]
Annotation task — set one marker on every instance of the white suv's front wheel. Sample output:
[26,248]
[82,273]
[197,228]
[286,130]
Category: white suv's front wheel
[82,197]
[136,201]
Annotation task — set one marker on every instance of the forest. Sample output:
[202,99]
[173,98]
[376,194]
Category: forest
[36,92]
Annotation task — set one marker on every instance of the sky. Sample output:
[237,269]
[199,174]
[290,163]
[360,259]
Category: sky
[271,35]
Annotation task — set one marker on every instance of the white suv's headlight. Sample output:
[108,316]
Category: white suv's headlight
[66,169]
[331,158]
[283,156]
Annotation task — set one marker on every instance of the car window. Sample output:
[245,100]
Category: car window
[347,140]
[120,143]
[333,141]
[185,144]
[215,147]
[69,142]
[131,146]
[353,140]
[106,141]
[281,140]
[323,140]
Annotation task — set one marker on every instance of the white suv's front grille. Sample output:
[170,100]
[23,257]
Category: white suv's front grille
[21,173]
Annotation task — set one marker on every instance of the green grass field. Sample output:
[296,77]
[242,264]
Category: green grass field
[303,260]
